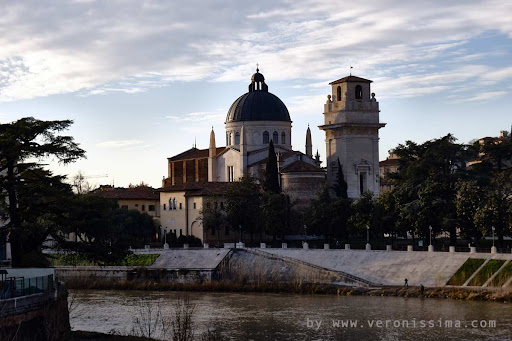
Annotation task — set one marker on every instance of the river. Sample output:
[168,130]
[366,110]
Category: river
[253,316]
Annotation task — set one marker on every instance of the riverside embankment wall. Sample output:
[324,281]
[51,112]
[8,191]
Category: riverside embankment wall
[358,268]
[388,267]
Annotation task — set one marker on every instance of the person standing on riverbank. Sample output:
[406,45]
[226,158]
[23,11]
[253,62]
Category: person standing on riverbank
[406,283]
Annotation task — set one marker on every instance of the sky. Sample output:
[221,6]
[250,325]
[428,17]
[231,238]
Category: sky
[145,80]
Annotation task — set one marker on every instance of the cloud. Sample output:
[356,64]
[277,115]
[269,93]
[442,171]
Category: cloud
[92,48]
[213,116]
[119,143]
[484,97]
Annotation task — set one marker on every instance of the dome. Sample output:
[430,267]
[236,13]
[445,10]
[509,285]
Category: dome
[258,104]
[257,77]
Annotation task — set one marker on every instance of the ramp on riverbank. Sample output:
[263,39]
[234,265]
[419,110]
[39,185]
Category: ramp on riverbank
[387,267]
[190,259]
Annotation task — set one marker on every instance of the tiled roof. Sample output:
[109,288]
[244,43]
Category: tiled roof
[198,188]
[194,153]
[135,193]
[389,162]
[301,166]
[351,79]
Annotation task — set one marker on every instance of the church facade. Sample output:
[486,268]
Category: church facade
[351,123]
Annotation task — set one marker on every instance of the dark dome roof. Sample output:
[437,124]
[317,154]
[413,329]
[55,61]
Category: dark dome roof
[258,106]
[257,77]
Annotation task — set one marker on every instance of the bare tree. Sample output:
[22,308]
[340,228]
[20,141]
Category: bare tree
[80,183]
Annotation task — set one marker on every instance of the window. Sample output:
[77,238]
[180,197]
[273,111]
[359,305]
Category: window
[124,207]
[359,92]
[151,208]
[275,137]
[143,208]
[230,139]
[227,139]
[222,205]
[362,182]
[237,138]
[265,137]
[338,93]
[180,205]
[283,138]
[136,205]
[170,204]
[66,236]
[164,207]
[231,173]
[194,206]
[174,203]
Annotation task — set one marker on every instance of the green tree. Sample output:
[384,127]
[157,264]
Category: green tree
[271,183]
[340,187]
[243,201]
[213,217]
[275,213]
[20,141]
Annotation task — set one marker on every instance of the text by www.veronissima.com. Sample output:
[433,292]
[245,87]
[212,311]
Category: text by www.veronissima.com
[413,323]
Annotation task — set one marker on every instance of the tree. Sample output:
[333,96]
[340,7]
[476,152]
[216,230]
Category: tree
[271,183]
[80,184]
[25,139]
[340,187]
[214,219]
[243,200]
[275,213]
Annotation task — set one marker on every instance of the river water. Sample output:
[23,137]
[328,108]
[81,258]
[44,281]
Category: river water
[252,316]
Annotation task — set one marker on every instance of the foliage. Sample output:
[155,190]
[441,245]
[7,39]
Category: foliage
[486,272]
[31,139]
[271,183]
[213,217]
[465,271]
[340,187]
[243,200]
[84,260]
[503,276]
[275,213]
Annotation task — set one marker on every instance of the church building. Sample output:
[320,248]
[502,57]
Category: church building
[254,119]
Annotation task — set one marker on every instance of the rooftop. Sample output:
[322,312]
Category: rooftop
[351,79]
[131,193]
[194,153]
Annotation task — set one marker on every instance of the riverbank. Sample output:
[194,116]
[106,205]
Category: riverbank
[80,335]
[458,293]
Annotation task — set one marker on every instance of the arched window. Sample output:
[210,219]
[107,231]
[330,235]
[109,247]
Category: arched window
[275,137]
[359,92]
[338,93]
[265,137]
[283,138]
[170,204]
[174,203]
[237,138]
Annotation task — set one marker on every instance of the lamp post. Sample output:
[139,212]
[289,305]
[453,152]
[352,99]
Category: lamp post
[493,236]
[430,227]
[240,226]
[367,234]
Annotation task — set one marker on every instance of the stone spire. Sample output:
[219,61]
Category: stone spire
[309,145]
[213,148]
[212,171]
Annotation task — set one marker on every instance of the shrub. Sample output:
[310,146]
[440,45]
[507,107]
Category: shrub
[465,271]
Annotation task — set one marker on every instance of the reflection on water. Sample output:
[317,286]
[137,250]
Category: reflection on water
[243,316]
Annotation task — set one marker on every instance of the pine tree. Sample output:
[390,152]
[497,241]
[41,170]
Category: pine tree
[271,183]
[340,188]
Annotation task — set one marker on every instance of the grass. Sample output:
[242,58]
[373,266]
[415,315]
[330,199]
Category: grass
[465,271]
[503,276]
[487,271]
[81,260]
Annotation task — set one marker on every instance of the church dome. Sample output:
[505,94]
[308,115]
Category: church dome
[258,104]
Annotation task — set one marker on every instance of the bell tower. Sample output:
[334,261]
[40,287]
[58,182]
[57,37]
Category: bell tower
[351,125]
